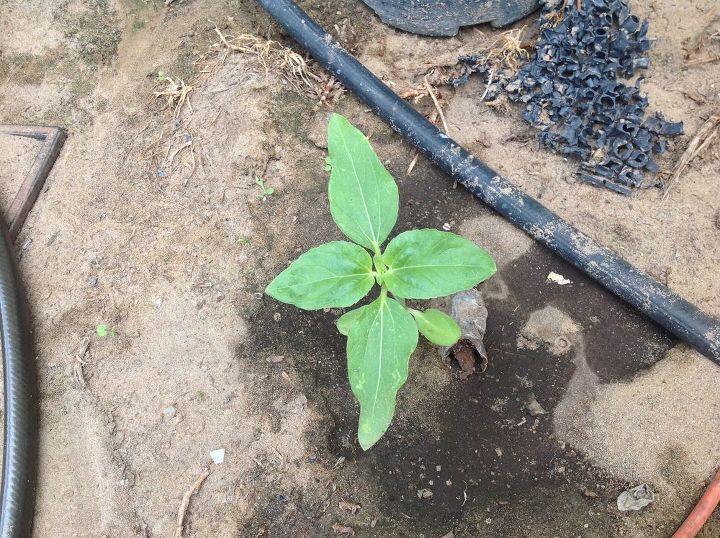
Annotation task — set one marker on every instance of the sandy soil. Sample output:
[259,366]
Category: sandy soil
[151,223]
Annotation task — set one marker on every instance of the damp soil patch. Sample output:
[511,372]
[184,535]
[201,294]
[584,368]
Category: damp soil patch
[464,454]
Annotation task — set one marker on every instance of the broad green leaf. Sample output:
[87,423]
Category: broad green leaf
[348,319]
[423,264]
[437,326]
[333,275]
[363,195]
[378,351]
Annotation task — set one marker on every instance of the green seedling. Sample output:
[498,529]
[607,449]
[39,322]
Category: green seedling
[264,192]
[416,264]
[161,76]
[103,330]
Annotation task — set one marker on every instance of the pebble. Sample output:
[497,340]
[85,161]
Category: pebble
[169,412]
[424,493]
[218,456]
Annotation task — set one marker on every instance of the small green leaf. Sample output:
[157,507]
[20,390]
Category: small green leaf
[378,351]
[348,319]
[423,264]
[102,330]
[333,275]
[269,191]
[437,326]
[363,195]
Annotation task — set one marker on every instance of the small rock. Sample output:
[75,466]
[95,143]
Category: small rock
[533,407]
[589,493]
[52,238]
[343,529]
[92,281]
[296,405]
[635,498]
[349,507]
[218,456]
[277,316]
[318,131]
[274,359]
[424,493]
[169,412]
[258,295]
[558,279]
[446,227]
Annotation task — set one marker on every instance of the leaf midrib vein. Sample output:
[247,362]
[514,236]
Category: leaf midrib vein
[362,194]
[329,278]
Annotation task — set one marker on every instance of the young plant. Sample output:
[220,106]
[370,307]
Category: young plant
[416,264]
[264,192]
[103,330]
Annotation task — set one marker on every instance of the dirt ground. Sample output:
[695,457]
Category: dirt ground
[151,223]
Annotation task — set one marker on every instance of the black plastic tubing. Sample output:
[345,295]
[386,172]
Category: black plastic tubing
[666,308]
[20,451]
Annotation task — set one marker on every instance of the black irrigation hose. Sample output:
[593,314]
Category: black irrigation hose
[666,308]
[20,451]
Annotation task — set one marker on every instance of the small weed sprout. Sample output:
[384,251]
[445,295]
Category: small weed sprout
[102,330]
[416,264]
[264,191]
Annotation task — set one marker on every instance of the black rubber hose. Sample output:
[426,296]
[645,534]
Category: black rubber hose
[666,308]
[20,451]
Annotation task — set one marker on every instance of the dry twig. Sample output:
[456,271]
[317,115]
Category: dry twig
[80,362]
[176,94]
[709,132]
[431,93]
[182,510]
[432,119]
[288,63]
[703,60]
[508,50]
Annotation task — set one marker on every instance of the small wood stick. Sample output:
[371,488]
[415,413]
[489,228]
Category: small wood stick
[433,118]
[490,81]
[697,145]
[412,163]
[182,510]
[428,87]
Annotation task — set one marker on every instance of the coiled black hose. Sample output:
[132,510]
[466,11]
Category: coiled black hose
[20,450]
[666,308]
